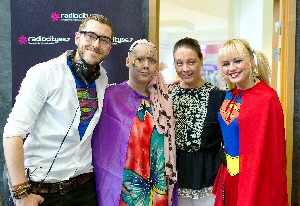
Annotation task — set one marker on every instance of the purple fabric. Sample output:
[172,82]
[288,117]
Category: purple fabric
[110,141]
[175,195]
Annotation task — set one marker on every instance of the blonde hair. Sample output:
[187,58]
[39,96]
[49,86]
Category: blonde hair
[242,47]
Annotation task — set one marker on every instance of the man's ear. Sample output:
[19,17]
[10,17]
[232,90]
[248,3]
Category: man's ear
[77,36]
[128,62]
[109,49]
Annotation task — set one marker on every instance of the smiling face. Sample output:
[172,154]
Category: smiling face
[188,67]
[142,64]
[93,53]
[237,69]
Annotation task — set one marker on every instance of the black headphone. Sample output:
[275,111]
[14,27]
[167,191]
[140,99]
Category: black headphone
[85,72]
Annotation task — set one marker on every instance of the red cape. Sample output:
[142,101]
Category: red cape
[262,177]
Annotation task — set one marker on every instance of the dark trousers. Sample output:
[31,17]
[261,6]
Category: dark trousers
[84,195]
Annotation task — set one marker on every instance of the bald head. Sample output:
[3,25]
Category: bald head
[141,41]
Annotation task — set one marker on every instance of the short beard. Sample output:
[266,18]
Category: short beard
[81,54]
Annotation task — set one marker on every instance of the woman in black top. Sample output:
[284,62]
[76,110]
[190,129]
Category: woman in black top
[196,103]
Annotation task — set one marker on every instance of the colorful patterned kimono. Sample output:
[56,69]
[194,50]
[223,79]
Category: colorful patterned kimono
[254,140]
[129,151]
[144,174]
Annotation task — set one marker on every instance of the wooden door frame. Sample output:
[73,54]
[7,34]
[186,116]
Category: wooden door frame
[154,7]
[283,72]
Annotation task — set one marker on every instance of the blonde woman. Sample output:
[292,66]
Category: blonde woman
[251,118]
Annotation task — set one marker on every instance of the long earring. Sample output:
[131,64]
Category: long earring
[224,83]
[226,86]
[255,73]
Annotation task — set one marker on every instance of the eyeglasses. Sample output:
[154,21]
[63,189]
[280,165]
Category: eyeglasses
[91,37]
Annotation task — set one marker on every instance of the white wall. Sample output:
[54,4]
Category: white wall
[166,56]
[255,24]
[251,20]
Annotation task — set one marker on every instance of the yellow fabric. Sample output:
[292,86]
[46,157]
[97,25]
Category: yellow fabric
[233,165]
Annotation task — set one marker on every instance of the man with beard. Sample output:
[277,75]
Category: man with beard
[48,133]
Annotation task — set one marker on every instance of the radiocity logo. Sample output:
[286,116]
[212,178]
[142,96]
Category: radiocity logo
[68,17]
[41,40]
[119,40]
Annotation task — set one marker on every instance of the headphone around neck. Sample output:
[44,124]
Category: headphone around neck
[85,72]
